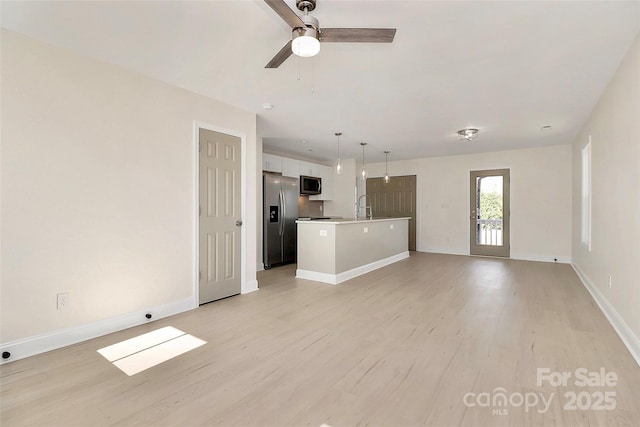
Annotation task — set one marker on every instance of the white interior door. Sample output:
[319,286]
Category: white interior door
[220,221]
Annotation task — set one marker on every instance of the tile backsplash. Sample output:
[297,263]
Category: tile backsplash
[309,208]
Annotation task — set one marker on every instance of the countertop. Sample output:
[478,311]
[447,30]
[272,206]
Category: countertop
[347,220]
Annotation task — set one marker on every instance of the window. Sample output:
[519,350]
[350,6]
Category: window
[586,195]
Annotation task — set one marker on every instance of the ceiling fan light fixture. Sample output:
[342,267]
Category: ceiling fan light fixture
[305,42]
[468,134]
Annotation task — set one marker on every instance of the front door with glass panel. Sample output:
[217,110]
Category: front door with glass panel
[489,212]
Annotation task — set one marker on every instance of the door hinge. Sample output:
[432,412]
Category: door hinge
[199,147]
[199,275]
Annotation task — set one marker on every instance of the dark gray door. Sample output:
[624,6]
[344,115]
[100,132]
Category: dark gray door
[490,213]
[395,199]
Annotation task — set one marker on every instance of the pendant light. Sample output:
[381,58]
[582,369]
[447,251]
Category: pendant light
[386,167]
[338,165]
[364,171]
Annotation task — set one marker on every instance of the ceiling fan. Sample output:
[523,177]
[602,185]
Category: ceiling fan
[307,34]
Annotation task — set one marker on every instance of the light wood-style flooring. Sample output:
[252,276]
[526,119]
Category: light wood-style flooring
[400,346]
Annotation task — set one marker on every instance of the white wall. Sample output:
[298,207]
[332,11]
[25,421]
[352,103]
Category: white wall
[98,189]
[615,178]
[540,200]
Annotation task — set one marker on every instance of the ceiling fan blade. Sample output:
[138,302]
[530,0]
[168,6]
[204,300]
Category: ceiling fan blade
[285,12]
[280,57]
[357,35]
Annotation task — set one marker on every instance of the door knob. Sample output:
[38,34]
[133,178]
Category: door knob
[239,222]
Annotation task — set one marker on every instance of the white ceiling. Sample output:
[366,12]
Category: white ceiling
[507,68]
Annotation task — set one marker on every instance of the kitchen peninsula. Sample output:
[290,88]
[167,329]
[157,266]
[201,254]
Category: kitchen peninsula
[332,251]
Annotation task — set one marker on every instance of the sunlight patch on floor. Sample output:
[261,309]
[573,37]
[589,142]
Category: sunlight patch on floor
[147,350]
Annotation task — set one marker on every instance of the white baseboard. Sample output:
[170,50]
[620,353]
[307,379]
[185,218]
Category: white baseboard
[440,251]
[334,279]
[249,287]
[623,330]
[521,257]
[316,276]
[259,266]
[541,258]
[57,339]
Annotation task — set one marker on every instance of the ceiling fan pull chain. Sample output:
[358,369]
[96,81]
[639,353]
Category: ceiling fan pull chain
[313,75]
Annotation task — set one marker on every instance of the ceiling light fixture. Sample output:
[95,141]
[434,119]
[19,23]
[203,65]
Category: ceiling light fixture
[386,167]
[338,165]
[364,171]
[468,134]
[305,42]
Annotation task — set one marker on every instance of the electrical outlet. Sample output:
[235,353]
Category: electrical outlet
[366,229]
[62,300]
[610,281]
[390,226]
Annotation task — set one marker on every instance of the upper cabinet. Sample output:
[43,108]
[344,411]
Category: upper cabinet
[295,168]
[271,163]
[326,173]
[309,169]
[290,167]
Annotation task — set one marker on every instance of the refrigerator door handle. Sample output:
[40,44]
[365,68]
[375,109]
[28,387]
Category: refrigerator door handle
[284,210]
[282,213]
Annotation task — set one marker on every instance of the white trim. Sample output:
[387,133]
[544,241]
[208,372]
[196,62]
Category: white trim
[541,258]
[61,338]
[520,257]
[442,251]
[586,196]
[251,286]
[259,266]
[245,287]
[623,330]
[334,279]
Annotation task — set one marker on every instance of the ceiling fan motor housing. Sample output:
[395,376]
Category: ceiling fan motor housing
[311,29]
[310,21]
[310,32]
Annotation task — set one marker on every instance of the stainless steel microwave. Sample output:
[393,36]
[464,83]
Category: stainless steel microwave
[310,185]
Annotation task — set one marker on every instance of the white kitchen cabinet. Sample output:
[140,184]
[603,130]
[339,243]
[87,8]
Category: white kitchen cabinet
[309,169]
[290,167]
[326,173]
[294,168]
[271,163]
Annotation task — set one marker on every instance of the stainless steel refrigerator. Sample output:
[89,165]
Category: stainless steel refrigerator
[280,232]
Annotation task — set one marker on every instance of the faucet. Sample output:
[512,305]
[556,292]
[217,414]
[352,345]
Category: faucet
[358,207]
